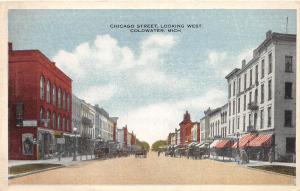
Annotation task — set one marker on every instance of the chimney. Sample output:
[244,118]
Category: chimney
[10,47]
[268,34]
[243,63]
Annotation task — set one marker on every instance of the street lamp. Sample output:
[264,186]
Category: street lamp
[75,145]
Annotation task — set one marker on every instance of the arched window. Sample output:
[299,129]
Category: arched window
[67,128]
[48,92]
[41,113]
[59,98]
[64,100]
[42,88]
[48,117]
[53,121]
[54,95]
[58,122]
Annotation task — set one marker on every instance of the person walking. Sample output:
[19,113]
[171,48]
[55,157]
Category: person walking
[158,153]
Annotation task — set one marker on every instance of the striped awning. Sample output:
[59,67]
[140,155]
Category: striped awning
[244,140]
[262,141]
[225,143]
[213,144]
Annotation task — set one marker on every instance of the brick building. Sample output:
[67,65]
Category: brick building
[185,129]
[39,104]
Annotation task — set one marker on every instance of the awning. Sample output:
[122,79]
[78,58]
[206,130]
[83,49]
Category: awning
[225,143]
[262,141]
[213,144]
[192,144]
[244,140]
[199,144]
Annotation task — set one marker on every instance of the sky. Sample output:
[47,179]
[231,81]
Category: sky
[148,79]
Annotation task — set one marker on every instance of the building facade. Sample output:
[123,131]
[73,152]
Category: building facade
[39,103]
[261,94]
[185,129]
[195,132]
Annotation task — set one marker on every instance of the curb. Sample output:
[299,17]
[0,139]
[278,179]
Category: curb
[267,171]
[34,172]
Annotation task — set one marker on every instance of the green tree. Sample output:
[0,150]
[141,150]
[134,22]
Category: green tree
[157,144]
[143,144]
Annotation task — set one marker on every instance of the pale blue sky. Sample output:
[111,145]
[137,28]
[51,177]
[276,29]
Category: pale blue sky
[193,62]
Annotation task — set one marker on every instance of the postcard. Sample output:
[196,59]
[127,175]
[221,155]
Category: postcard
[114,96]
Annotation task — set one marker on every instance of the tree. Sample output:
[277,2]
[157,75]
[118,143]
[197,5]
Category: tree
[143,144]
[157,144]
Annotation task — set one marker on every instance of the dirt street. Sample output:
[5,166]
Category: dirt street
[154,170]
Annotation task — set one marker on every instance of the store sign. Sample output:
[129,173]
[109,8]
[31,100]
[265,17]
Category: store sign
[29,123]
[60,140]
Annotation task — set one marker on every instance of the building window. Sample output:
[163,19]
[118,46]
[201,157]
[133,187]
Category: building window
[229,90]
[238,123]
[67,125]
[288,90]
[250,97]
[48,115]
[229,126]
[261,118]
[270,63]
[269,117]
[269,89]
[290,144]
[54,95]
[233,107]
[288,64]
[262,94]
[245,81]
[68,102]
[19,114]
[256,74]
[58,122]
[59,98]
[288,116]
[233,88]
[63,123]
[233,125]
[229,107]
[251,77]
[263,68]
[239,85]
[255,96]
[244,123]
[41,113]
[42,88]
[48,92]
[245,102]
[64,100]
[250,120]
[53,121]
[239,105]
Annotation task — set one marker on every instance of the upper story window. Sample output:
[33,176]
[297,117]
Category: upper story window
[229,90]
[234,88]
[269,89]
[269,117]
[58,122]
[48,92]
[54,94]
[256,73]
[262,94]
[42,88]
[270,63]
[250,77]
[245,97]
[288,64]
[19,114]
[288,116]
[48,115]
[41,113]
[288,90]
[68,102]
[64,100]
[263,68]
[239,85]
[54,120]
[59,98]
[245,81]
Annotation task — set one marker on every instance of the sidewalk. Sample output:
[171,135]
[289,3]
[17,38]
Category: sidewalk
[254,162]
[66,161]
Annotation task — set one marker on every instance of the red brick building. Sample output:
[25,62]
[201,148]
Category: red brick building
[39,104]
[185,129]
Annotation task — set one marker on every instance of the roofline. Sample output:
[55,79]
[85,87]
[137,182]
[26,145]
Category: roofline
[235,70]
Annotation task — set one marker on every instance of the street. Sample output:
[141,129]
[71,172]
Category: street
[154,170]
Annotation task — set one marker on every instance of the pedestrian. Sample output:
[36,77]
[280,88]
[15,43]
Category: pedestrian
[270,155]
[158,153]
[258,156]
